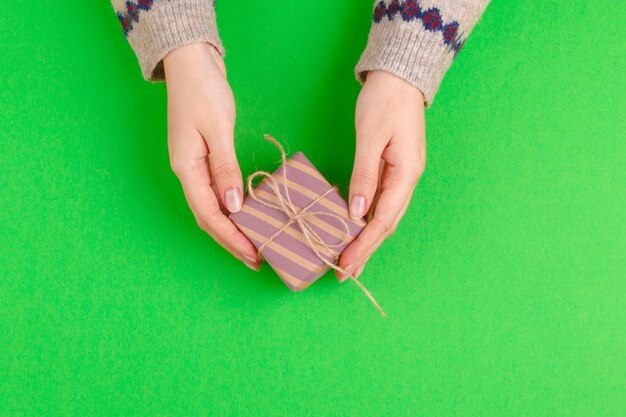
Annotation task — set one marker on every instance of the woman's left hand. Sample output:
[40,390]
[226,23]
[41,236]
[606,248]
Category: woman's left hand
[389,160]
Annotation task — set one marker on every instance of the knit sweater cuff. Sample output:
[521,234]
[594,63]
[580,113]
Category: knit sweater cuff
[417,43]
[416,56]
[169,25]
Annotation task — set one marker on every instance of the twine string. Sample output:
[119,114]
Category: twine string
[299,217]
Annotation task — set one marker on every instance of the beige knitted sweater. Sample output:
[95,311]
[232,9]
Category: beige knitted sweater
[413,39]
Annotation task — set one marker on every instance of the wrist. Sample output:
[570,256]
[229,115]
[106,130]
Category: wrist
[393,83]
[193,57]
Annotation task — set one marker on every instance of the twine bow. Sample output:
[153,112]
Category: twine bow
[299,217]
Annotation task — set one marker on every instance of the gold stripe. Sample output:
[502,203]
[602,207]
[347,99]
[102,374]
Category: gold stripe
[307,169]
[298,285]
[292,256]
[291,231]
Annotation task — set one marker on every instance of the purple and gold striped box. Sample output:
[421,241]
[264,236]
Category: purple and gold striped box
[289,253]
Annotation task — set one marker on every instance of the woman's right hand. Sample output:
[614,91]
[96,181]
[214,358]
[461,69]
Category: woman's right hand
[201,122]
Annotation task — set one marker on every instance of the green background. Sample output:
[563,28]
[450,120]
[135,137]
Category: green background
[504,284]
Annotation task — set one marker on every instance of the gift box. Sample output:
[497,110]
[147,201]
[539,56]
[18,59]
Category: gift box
[297,220]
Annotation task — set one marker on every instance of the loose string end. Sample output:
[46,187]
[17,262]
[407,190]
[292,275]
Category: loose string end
[369,295]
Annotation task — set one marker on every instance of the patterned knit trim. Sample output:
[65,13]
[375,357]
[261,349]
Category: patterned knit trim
[431,20]
[131,14]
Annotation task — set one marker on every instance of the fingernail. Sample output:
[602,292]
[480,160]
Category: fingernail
[357,207]
[355,275]
[251,259]
[252,266]
[343,276]
[233,200]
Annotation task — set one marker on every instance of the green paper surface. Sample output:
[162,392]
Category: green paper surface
[504,283]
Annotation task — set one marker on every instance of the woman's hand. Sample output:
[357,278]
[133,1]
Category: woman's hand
[390,158]
[201,122]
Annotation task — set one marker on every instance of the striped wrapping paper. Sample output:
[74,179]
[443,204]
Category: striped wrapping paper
[289,254]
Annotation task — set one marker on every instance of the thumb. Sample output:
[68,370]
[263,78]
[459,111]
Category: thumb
[364,179]
[225,173]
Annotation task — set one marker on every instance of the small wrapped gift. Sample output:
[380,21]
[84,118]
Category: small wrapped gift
[297,220]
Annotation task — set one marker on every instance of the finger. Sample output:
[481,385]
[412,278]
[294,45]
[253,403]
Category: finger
[365,173]
[370,212]
[358,265]
[193,174]
[224,168]
[397,188]
[210,218]
[362,259]
[403,173]
[216,191]
[355,270]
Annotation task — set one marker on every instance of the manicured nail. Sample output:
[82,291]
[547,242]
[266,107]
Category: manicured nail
[252,266]
[357,207]
[251,259]
[343,276]
[355,275]
[358,271]
[233,200]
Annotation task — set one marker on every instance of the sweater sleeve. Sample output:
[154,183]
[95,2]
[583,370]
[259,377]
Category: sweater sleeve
[155,27]
[418,39]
